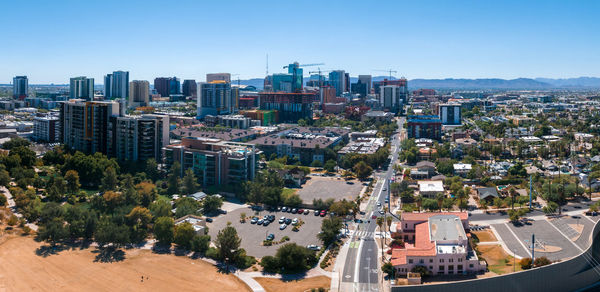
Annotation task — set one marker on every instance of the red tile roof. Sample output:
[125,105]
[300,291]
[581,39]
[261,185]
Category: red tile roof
[423,246]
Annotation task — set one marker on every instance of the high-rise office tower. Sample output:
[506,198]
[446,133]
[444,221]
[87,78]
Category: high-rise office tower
[346,82]
[165,86]
[366,79]
[216,98]
[393,97]
[297,80]
[282,82]
[189,88]
[20,87]
[81,88]
[450,113]
[85,126]
[139,93]
[337,79]
[218,77]
[116,85]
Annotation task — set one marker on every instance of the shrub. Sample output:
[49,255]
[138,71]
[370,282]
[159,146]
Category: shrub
[422,270]
[541,261]
[12,221]
[270,264]
[525,263]
[212,253]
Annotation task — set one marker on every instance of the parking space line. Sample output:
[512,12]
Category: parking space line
[357,267]
[519,240]
[568,239]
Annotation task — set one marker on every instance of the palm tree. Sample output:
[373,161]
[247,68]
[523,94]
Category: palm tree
[380,223]
[388,221]
[440,200]
[419,201]
[513,194]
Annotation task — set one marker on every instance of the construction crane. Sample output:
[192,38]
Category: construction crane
[295,88]
[320,76]
[238,78]
[389,71]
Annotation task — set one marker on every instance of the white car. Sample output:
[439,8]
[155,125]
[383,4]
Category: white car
[281,220]
[313,247]
[378,204]
[295,221]
[282,226]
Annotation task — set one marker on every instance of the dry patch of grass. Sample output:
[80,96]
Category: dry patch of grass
[485,236]
[76,270]
[277,285]
[499,262]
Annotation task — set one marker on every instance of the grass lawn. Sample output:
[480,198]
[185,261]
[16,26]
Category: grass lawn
[287,192]
[484,236]
[498,261]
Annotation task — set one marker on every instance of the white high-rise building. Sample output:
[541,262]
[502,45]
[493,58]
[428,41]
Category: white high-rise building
[81,88]
[450,114]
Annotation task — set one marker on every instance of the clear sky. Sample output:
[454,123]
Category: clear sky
[51,41]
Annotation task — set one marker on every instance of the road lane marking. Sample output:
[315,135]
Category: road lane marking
[517,238]
[563,234]
[357,264]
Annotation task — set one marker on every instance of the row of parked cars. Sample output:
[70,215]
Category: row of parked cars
[321,213]
[264,221]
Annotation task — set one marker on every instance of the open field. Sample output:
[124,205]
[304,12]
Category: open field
[485,235]
[76,270]
[329,188]
[276,285]
[498,261]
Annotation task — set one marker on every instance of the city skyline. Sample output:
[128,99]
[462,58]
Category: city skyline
[437,39]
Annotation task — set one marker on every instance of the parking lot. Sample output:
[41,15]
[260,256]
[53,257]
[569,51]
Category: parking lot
[549,241]
[328,187]
[252,235]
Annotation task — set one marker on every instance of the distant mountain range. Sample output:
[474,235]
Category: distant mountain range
[484,83]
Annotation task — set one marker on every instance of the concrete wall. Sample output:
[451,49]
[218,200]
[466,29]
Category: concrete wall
[576,273]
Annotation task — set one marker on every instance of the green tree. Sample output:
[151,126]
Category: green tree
[184,233]
[362,170]
[330,165]
[293,258]
[388,269]
[270,264]
[152,169]
[160,208]
[212,204]
[189,183]
[72,178]
[164,230]
[53,231]
[228,243]
[173,179]
[109,180]
[3,200]
[330,228]
[200,243]
[186,206]
[139,218]
[317,164]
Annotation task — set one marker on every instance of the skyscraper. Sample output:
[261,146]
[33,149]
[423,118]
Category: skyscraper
[165,86]
[116,85]
[296,72]
[139,93]
[20,87]
[140,137]
[85,126]
[366,79]
[393,97]
[216,98]
[189,88]
[346,82]
[210,77]
[82,88]
[337,79]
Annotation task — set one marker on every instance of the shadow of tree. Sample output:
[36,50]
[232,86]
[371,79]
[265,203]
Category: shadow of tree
[47,250]
[109,254]
[161,248]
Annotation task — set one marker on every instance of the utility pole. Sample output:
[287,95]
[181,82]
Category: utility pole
[532,249]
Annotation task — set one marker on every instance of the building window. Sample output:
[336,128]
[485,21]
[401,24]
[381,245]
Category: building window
[431,260]
[451,268]
[441,260]
[459,268]
[441,268]
[406,225]
[470,265]
[460,260]
[431,268]
[450,260]
[420,261]
[410,261]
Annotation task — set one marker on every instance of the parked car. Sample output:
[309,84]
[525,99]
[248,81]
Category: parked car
[271,218]
[288,221]
[313,247]
[295,221]
[209,220]
[378,204]
[254,220]
[279,208]
[323,213]
[266,223]
[374,217]
[306,212]
[260,221]
[317,212]
[284,209]
[300,211]
[294,210]
[282,226]
[221,211]
[271,236]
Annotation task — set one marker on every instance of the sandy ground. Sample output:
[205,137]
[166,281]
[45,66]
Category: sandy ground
[485,236]
[276,285]
[75,270]
[549,248]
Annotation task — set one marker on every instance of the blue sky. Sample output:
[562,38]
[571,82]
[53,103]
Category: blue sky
[51,41]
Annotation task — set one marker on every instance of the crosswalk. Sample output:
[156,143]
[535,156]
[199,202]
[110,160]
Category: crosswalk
[364,234]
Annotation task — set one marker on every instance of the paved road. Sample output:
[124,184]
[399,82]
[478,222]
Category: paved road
[361,267]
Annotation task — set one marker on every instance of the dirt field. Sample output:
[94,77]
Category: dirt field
[75,270]
[498,261]
[485,236]
[276,285]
